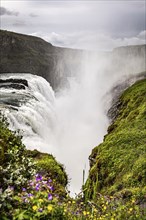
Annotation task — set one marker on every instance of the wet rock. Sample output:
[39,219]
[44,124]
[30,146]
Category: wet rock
[13,83]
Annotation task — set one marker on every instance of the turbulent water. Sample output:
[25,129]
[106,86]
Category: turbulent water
[68,123]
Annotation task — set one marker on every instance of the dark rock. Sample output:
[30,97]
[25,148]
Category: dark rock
[117,166]
[116,92]
[13,83]
[27,54]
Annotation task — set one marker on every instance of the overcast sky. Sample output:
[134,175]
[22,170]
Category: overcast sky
[97,25]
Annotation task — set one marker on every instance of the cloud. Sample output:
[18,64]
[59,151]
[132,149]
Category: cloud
[19,24]
[118,19]
[4,11]
[142,35]
[91,40]
[33,15]
[100,25]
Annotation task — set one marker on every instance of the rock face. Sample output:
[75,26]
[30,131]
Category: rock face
[131,59]
[27,54]
[117,166]
[13,83]
[116,92]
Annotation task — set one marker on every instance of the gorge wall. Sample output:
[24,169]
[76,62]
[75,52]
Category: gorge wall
[85,80]
[27,54]
[117,166]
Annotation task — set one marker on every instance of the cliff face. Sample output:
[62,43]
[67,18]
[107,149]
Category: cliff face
[117,166]
[130,59]
[26,54]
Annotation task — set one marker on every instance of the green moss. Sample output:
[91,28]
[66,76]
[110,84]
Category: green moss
[120,161]
[8,139]
[45,163]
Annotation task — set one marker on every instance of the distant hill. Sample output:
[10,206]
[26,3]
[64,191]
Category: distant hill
[27,54]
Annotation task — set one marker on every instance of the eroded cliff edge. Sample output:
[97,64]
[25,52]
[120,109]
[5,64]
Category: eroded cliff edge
[28,54]
[118,165]
[21,53]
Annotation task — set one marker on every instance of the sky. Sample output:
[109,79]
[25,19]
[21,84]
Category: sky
[93,25]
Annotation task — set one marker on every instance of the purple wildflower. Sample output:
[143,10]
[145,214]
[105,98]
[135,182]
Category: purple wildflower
[56,196]
[23,189]
[49,181]
[77,213]
[38,177]
[37,188]
[11,188]
[51,187]
[44,182]
[31,183]
[30,195]
[40,210]
[50,197]
[26,200]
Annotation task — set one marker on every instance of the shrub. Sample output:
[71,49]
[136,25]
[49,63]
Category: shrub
[15,167]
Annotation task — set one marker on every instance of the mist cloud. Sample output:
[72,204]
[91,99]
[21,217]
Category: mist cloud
[100,25]
[4,11]
[92,40]
[33,15]
[19,24]
[91,25]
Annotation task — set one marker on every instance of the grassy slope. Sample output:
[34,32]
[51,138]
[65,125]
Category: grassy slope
[118,165]
[45,163]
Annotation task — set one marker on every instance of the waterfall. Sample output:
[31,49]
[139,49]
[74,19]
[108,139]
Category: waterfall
[35,117]
[63,124]
[68,123]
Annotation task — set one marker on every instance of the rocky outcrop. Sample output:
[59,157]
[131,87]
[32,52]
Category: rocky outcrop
[27,54]
[117,166]
[116,92]
[13,83]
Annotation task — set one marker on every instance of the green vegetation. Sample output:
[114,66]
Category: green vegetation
[18,166]
[33,184]
[47,166]
[118,165]
[44,163]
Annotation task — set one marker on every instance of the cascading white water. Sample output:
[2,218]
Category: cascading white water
[35,118]
[64,125]
[67,124]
